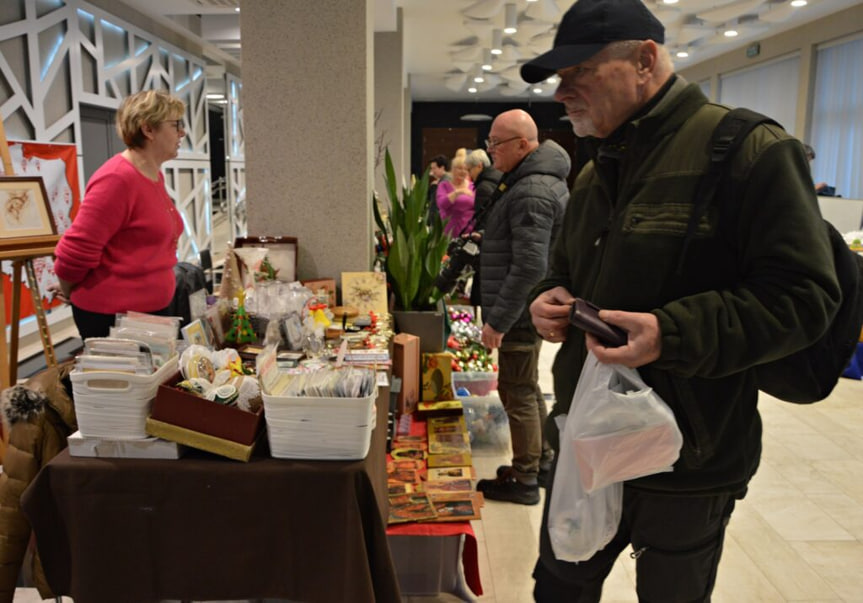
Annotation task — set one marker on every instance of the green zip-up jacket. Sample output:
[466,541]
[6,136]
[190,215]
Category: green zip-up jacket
[756,283]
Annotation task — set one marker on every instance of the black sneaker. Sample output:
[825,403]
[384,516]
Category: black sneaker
[508,489]
[541,477]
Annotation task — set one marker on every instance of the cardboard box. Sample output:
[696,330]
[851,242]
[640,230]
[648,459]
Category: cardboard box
[186,410]
[406,366]
[148,448]
[201,441]
[437,377]
[440,408]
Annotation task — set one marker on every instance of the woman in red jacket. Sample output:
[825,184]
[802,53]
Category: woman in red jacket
[119,254]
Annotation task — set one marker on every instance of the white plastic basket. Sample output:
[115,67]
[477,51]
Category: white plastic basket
[319,428]
[117,385]
[114,405]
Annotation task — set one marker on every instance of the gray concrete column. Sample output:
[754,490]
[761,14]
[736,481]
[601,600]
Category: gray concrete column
[308,75]
[389,104]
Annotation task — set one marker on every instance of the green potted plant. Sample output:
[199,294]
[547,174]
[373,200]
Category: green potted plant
[413,247]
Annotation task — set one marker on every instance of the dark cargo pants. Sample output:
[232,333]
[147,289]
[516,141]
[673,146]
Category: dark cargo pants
[676,540]
[522,398]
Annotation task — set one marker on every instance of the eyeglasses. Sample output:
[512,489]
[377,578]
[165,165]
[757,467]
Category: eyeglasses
[178,123]
[491,143]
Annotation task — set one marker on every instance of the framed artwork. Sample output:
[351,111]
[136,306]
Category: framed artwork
[194,333]
[281,258]
[24,209]
[57,164]
[365,291]
[461,506]
[321,286]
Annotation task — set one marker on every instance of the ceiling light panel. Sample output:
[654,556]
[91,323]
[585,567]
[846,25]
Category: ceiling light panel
[483,9]
[728,12]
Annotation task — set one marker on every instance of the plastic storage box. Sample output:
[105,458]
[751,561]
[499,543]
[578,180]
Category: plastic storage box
[475,383]
[487,423]
[114,405]
[319,428]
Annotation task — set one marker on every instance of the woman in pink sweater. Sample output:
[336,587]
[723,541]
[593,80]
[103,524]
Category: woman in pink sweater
[455,199]
[119,254]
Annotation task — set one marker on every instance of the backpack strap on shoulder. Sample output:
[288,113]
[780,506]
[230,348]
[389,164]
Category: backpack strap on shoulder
[727,137]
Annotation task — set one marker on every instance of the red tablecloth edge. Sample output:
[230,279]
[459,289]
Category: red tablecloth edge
[469,557]
[470,560]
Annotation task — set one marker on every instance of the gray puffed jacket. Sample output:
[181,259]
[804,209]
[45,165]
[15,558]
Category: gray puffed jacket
[518,233]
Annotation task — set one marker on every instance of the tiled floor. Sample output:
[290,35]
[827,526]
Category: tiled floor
[798,535]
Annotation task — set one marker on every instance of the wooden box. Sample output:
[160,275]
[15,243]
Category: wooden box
[192,412]
[406,366]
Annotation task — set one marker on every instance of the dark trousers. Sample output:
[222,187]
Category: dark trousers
[95,324]
[676,541]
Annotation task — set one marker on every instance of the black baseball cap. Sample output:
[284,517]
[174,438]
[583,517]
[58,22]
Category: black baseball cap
[587,27]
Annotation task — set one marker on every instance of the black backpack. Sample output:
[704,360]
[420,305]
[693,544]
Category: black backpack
[810,374]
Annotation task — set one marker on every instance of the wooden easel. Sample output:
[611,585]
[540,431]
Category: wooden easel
[21,255]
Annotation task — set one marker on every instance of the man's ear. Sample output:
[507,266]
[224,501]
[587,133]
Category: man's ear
[647,56]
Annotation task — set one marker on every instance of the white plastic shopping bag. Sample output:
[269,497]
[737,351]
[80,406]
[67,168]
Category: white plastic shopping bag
[579,523]
[617,429]
[622,428]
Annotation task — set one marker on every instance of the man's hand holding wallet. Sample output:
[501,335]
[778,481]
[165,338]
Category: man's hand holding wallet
[585,316]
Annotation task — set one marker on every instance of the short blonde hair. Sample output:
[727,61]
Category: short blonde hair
[148,107]
[457,161]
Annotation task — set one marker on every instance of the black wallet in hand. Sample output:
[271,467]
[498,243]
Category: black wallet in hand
[585,316]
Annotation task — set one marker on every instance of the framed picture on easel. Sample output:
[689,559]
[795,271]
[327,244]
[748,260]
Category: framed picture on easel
[24,210]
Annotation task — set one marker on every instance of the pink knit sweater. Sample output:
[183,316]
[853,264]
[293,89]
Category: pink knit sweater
[121,249]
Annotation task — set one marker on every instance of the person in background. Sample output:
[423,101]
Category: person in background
[438,172]
[746,291]
[526,213]
[822,188]
[119,253]
[485,180]
[455,200]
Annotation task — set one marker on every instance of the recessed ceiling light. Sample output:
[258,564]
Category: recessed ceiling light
[682,54]
[236,10]
[798,3]
[552,80]
[472,90]
[478,78]
[669,1]
[496,41]
[476,117]
[537,90]
[510,25]
[486,60]
[730,33]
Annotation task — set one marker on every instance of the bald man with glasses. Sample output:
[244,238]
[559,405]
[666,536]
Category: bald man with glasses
[526,211]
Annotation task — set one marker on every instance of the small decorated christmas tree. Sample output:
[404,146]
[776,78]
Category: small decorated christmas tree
[241,328]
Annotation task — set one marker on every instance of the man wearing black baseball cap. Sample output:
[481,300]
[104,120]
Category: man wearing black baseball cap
[702,304]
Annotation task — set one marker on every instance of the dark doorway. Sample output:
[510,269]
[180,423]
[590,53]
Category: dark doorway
[99,138]
[446,141]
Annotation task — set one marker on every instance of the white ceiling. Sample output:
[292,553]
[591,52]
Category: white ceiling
[444,40]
